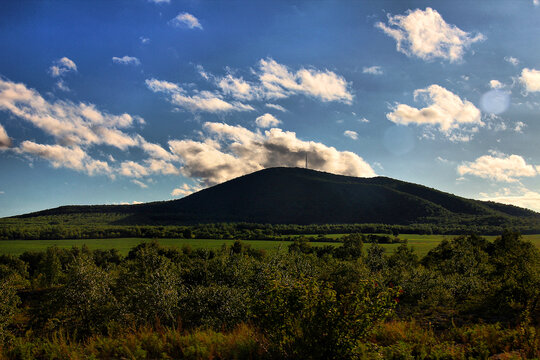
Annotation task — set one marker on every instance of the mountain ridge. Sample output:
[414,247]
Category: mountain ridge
[305,196]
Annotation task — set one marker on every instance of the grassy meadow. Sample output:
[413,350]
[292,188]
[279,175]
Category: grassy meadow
[422,244]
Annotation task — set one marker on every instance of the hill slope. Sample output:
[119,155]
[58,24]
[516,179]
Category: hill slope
[302,196]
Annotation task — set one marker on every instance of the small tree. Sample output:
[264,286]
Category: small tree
[148,287]
[86,303]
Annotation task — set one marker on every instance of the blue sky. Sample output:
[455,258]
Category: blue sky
[110,102]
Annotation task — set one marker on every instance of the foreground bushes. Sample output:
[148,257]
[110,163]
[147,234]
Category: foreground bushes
[470,298]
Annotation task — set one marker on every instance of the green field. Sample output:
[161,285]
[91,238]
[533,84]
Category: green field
[421,243]
[123,245]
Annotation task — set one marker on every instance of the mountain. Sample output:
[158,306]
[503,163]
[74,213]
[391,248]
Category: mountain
[303,196]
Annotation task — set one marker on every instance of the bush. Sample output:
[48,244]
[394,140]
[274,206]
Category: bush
[148,287]
[307,318]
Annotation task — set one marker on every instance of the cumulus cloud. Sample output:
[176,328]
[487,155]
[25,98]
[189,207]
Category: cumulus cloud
[160,1]
[363,120]
[72,157]
[186,190]
[156,151]
[279,82]
[68,122]
[267,120]
[425,34]
[275,81]
[186,20]
[373,70]
[133,169]
[62,66]
[5,141]
[144,40]
[495,84]
[444,110]
[198,101]
[518,127]
[161,167]
[351,134]
[498,167]
[530,79]
[230,151]
[512,60]
[519,196]
[237,88]
[77,127]
[126,60]
[276,107]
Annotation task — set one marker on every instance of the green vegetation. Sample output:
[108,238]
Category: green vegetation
[422,244]
[469,297]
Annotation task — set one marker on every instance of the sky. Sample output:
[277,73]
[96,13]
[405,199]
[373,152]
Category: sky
[121,102]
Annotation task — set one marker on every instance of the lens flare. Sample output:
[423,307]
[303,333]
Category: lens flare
[495,101]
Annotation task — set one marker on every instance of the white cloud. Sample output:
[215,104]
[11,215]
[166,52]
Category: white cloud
[373,70]
[156,151]
[519,126]
[69,157]
[231,151]
[278,82]
[139,183]
[236,87]
[61,84]
[530,78]
[62,66]
[68,122]
[441,159]
[363,120]
[519,196]
[199,101]
[161,167]
[126,60]
[426,35]
[5,141]
[160,1]
[144,40]
[187,20]
[495,84]
[133,169]
[186,190]
[267,120]
[512,60]
[498,167]
[276,107]
[444,110]
[351,134]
